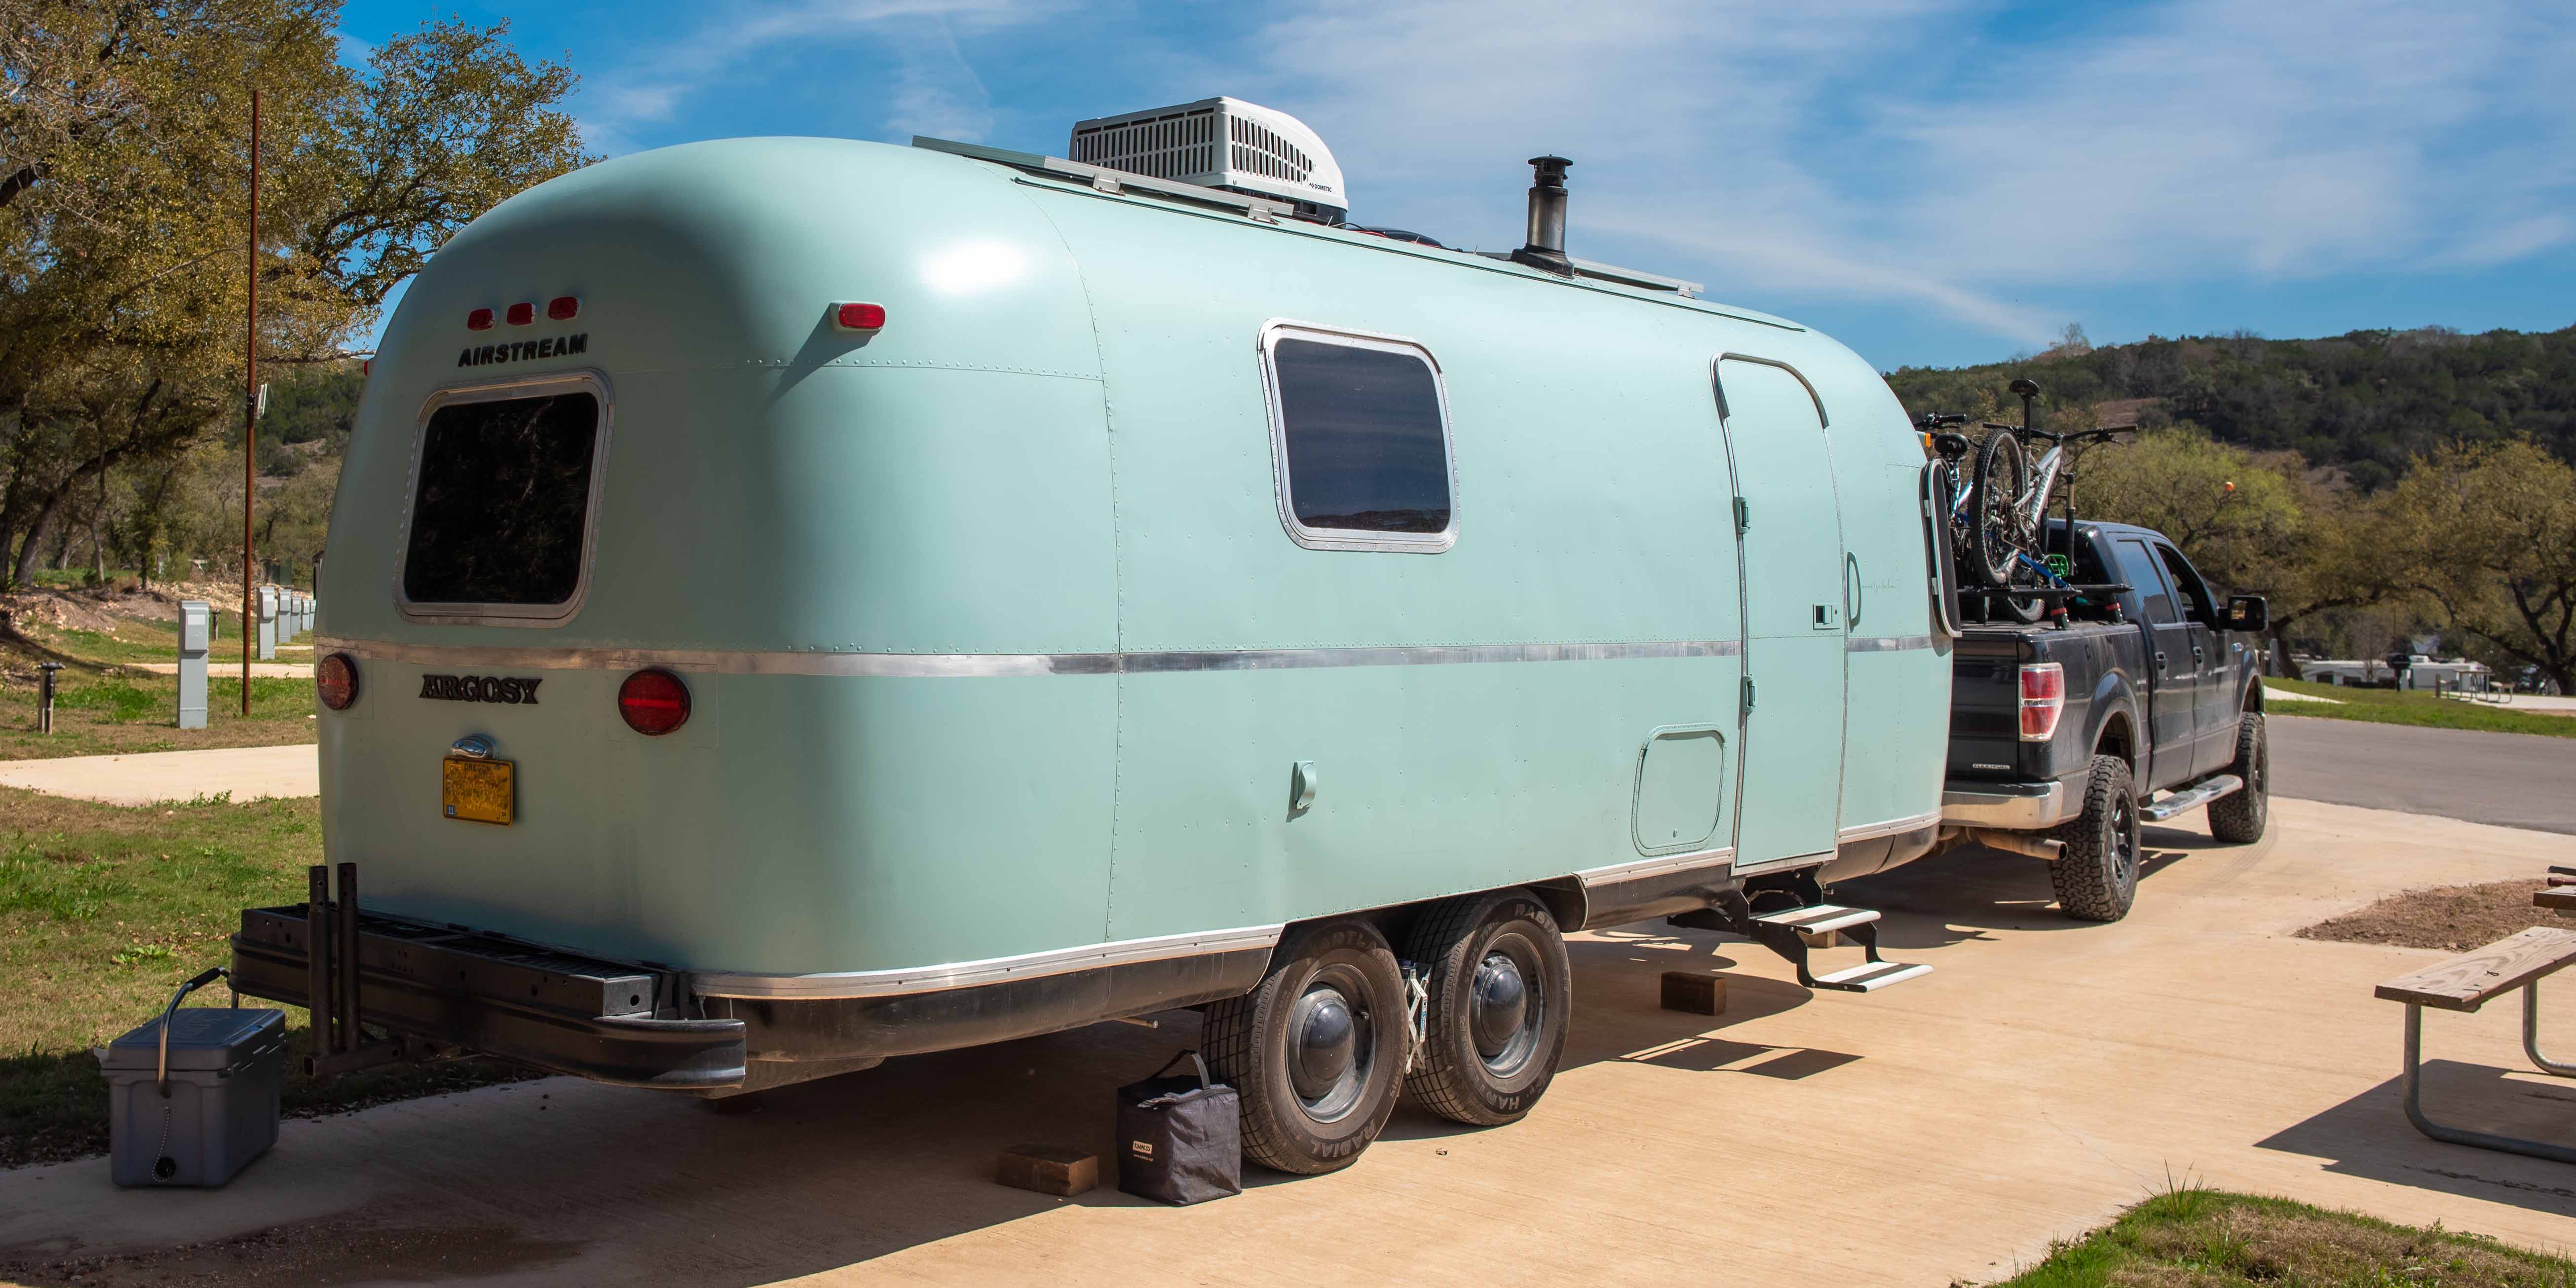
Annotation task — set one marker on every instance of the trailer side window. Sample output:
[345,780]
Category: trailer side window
[1361,439]
[501,518]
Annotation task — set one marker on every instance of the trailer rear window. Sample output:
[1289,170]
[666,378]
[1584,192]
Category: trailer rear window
[503,508]
[1363,443]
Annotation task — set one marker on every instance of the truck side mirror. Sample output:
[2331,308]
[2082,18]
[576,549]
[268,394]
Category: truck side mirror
[2249,613]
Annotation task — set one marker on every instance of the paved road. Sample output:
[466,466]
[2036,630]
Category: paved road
[2509,779]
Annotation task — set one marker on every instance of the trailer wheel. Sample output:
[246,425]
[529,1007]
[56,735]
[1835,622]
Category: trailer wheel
[2096,872]
[2238,818]
[1317,1051]
[1500,993]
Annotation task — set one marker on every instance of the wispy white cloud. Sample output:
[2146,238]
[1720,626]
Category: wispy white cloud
[935,88]
[1915,150]
[1928,153]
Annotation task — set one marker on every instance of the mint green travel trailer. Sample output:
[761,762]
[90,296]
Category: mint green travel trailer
[795,602]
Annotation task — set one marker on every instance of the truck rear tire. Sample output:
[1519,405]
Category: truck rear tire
[1317,1051]
[2096,872]
[2238,817]
[1500,990]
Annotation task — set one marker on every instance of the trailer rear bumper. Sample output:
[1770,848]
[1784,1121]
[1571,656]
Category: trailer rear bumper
[608,1021]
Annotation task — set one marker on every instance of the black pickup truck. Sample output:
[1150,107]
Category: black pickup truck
[2140,703]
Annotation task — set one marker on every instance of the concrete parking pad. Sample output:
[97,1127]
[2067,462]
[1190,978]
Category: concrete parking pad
[2046,1075]
[247,773]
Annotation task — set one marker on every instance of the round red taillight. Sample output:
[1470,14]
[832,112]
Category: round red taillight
[653,702]
[336,678]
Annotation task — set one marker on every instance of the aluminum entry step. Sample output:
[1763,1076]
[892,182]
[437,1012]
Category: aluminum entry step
[1819,918]
[2193,797]
[1870,976]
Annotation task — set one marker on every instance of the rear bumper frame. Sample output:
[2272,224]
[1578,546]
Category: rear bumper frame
[608,1021]
[2011,807]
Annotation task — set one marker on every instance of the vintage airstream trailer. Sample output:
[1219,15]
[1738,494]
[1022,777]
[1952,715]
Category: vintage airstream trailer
[793,602]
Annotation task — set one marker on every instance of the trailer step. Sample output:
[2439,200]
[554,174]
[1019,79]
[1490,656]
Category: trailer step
[1820,919]
[1794,932]
[1871,976]
[2193,797]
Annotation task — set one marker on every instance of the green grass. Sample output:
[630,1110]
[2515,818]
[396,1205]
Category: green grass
[2188,1237]
[2393,706]
[103,911]
[104,707]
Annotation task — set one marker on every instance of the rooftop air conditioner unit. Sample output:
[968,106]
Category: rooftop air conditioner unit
[1221,143]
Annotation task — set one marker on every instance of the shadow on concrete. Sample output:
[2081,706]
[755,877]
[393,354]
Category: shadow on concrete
[1973,891]
[845,1170]
[2369,1136]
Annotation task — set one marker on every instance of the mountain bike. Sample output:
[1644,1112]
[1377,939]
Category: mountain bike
[1999,517]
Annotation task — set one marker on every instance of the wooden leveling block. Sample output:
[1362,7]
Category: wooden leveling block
[1048,1169]
[1694,992]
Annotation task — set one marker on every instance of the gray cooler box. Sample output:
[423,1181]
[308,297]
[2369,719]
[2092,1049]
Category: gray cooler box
[227,1066]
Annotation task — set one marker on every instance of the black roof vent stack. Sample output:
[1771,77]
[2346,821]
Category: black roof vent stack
[1546,248]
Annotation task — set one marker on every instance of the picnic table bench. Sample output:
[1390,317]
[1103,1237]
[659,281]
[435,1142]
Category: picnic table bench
[2467,982]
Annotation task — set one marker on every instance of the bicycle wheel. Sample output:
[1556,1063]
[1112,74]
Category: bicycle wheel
[2018,609]
[1996,532]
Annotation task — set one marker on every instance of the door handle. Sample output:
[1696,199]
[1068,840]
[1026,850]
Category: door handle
[2198,659]
[2160,663]
[1852,592]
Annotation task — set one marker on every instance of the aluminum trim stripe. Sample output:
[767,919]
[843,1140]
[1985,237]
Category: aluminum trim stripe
[991,970]
[1886,643]
[968,665]
[1892,827]
[1656,867]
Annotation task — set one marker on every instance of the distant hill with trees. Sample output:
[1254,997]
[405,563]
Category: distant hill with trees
[2378,486]
[2367,403]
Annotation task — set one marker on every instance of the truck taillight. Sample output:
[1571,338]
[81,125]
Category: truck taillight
[2043,697]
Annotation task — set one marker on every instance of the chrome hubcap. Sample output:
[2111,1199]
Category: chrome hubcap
[1330,1044]
[1504,1012]
[1502,999]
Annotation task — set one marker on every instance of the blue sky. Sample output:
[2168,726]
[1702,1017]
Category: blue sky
[1930,181]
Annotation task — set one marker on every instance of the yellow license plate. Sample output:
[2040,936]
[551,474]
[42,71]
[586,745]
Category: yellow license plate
[481,791]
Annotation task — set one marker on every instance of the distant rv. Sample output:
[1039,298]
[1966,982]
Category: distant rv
[977,594]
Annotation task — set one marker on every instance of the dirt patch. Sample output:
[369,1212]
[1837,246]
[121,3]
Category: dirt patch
[68,610]
[2451,918]
[335,1250]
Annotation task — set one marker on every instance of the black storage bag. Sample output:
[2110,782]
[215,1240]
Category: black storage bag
[1180,1140]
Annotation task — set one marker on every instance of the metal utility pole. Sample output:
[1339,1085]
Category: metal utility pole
[250,414]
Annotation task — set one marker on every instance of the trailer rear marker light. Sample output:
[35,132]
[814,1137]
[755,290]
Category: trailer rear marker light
[479,320]
[522,314]
[336,680]
[859,317]
[653,702]
[564,308]
[2043,699]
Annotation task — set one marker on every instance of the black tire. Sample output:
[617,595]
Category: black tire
[1495,958]
[2238,818]
[1340,991]
[2096,872]
[1995,533]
